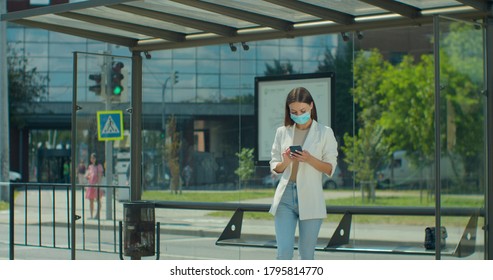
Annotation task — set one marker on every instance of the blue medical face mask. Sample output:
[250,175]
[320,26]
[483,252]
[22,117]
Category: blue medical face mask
[301,119]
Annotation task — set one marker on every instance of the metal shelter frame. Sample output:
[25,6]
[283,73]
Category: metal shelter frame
[148,25]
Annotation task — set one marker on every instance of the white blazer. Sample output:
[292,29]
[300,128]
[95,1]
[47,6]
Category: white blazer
[320,143]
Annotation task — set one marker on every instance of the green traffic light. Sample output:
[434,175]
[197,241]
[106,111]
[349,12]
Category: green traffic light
[117,90]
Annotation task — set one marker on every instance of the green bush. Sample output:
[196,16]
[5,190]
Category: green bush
[4,205]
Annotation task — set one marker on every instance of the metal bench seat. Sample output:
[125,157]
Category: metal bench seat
[340,241]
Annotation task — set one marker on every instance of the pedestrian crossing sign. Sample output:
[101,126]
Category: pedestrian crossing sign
[110,125]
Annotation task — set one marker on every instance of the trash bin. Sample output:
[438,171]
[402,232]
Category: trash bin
[139,229]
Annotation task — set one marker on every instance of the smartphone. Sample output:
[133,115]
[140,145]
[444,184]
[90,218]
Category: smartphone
[294,149]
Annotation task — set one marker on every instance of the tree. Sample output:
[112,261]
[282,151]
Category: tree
[26,86]
[363,153]
[398,100]
[341,63]
[462,80]
[246,166]
[365,150]
[279,68]
[409,103]
[172,153]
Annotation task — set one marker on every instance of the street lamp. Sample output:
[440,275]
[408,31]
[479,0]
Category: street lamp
[163,120]
[174,79]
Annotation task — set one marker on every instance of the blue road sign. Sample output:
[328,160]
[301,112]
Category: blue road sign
[110,125]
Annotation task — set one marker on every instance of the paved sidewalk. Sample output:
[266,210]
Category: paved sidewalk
[202,223]
[195,221]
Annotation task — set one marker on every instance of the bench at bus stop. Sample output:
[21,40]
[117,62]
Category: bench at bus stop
[340,240]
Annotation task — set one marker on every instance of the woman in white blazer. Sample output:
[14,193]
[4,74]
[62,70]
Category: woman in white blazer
[299,195]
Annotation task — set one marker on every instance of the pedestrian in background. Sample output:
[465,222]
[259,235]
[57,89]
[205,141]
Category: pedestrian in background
[94,174]
[81,172]
[66,171]
[187,174]
[299,197]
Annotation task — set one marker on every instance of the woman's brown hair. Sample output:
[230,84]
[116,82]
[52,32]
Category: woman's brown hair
[299,94]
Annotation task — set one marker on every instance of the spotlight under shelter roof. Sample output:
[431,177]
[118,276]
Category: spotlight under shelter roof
[147,25]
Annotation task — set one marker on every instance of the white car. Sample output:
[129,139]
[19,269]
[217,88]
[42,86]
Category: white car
[333,182]
[402,173]
[271,180]
[14,176]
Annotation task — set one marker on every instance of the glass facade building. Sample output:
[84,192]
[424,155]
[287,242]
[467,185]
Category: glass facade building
[206,77]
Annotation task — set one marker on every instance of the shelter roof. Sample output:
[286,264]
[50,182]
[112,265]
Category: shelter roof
[147,25]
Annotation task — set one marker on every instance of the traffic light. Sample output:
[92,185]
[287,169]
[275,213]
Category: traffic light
[162,134]
[116,78]
[97,88]
[174,77]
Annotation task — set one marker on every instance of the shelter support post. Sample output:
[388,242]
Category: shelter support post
[136,129]
[488,234]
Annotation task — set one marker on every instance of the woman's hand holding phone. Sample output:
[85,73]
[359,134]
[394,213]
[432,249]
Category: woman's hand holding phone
[295,152]
[295,149]
[298,154]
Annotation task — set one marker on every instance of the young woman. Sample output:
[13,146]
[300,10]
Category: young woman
[94,174]
[299,196]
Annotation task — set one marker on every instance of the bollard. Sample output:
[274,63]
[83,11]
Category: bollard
[139,229]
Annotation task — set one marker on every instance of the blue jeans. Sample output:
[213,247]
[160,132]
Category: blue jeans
[287,216]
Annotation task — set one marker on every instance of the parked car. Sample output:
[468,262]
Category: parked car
[401,173]
[271,180]
[334,182]
[14,176]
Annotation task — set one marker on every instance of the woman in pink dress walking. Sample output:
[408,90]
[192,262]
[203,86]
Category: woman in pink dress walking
[94,174]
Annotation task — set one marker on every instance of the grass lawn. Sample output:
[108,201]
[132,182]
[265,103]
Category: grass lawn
[208,196]
[4,205]
[383,198]
[408,199]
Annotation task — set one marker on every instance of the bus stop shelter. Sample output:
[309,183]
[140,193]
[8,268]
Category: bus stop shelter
[149,25]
